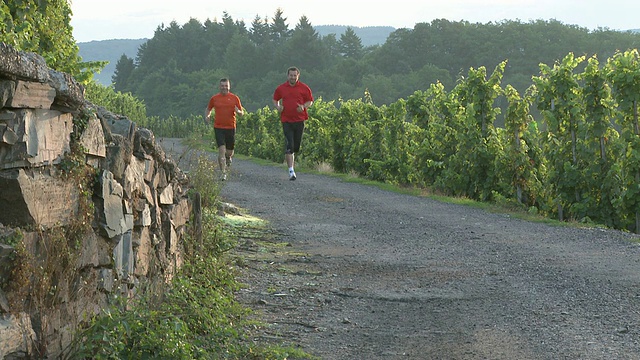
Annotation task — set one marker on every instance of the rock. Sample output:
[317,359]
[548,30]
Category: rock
[17,336]
[33,198]
[42,137]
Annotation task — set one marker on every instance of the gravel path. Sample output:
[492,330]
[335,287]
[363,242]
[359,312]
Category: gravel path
[372,274]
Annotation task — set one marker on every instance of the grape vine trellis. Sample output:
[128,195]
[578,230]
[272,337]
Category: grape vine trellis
[580,161]
[623,71]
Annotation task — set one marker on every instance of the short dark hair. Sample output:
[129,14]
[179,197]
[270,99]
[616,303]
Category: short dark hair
[224,80]
[293,68]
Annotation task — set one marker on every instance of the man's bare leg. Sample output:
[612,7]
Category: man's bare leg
[222,150]
[290,158]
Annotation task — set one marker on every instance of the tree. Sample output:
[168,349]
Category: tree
[331,44]
[350,45]
[260,35]
[189,43]
[279,29]
[391,58]
[241,58]
[44,27]
[160,50]
[122,74]
[218,36]
[304,48]
[351,71]
[259,32]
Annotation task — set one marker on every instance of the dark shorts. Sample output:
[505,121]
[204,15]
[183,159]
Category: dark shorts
[226,137]
[292,136]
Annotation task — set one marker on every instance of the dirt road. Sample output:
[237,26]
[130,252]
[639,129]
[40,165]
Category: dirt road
[372,274]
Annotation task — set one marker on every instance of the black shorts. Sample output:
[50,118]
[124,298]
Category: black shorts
[292,136]
[226,137]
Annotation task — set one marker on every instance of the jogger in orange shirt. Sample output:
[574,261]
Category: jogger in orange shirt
[225,105]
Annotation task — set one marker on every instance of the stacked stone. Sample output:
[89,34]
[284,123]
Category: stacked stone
[141,203]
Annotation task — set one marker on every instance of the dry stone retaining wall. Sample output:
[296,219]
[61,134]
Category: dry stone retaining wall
[140,200]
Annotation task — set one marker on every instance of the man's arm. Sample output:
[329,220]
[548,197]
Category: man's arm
[276,104]
[306,105]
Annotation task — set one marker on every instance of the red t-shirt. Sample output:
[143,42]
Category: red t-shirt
[225,110]
[291,97]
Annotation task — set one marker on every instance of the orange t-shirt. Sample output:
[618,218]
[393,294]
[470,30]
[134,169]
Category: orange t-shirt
[225,110]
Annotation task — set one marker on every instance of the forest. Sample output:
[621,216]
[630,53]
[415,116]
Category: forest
[176,71]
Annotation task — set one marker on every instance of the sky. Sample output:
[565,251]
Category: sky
[137,19]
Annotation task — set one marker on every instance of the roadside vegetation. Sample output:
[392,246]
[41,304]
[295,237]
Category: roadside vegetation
[195,316]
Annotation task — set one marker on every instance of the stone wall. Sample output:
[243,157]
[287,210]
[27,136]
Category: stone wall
[140,206]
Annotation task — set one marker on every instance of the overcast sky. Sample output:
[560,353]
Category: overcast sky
[136,19]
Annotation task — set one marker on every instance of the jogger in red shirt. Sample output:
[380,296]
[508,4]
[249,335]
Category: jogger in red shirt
[292,99]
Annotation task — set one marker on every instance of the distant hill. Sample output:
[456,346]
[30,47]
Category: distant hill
[112,50]
[370,35]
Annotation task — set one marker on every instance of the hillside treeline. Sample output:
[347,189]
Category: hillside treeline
[177,70]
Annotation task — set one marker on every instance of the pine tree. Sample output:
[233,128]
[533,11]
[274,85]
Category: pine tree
[350,44]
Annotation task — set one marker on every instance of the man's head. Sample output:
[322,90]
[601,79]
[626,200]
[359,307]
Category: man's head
[293,74]
[225,85]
